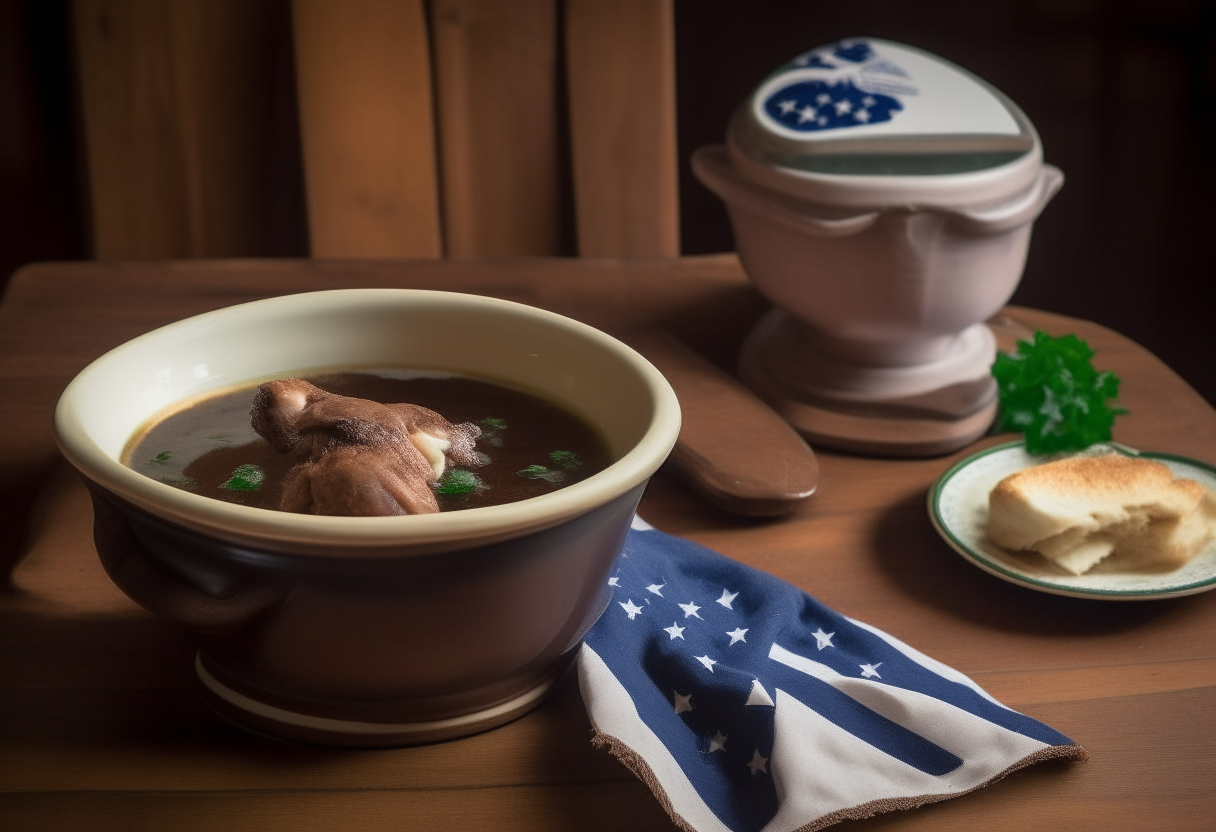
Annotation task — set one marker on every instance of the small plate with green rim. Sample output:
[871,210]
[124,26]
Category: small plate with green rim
[958,508]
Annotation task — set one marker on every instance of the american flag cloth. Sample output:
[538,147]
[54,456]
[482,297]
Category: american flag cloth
[746,705]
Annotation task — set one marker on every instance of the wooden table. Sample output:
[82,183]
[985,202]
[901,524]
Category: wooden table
[101,729]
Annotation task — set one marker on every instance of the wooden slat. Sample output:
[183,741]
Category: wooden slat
[496,84]
[177,109]
[364,84]
[621,81]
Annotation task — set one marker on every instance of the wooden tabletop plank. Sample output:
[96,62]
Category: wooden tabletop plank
[1135,776]
[99,719]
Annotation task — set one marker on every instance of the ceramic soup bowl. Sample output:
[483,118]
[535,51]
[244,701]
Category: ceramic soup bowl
[368,631]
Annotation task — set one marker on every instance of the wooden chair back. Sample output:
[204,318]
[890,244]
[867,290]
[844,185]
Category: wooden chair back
[384,128]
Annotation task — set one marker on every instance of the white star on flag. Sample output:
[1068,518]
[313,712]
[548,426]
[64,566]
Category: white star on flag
[822,639]
[631,609]
[728,598]
[690,610]
[708,662]
[759,764]
[736,635]
[717,742]
[657,589]
[870,671]
[683,702]
[675,631]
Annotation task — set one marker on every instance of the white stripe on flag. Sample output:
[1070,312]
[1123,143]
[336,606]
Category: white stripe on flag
[613,713]
[819,768]
[931,663]
[859,772]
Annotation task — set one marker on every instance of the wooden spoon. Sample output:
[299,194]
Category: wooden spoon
[732,449]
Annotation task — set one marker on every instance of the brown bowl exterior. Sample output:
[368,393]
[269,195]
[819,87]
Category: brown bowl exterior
[371,651]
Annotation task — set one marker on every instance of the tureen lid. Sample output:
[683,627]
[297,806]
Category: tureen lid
[865,106]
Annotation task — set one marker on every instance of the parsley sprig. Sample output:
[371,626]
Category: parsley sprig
[1051,393]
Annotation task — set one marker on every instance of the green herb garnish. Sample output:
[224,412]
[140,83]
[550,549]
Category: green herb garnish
[540,472]
[566,460]
[457,481]
[491,430]
[1050,393]
[161,458]
[245,478]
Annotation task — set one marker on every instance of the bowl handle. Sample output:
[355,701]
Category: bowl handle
[737,191]
[1017,213]
[166,572]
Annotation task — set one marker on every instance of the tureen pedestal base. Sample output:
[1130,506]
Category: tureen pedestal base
[927,409]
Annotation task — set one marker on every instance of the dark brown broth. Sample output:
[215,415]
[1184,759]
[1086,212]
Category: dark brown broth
[204,447]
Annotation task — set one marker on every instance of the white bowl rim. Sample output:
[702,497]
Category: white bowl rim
[312,534]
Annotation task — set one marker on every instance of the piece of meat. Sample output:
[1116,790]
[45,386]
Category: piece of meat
[358,457]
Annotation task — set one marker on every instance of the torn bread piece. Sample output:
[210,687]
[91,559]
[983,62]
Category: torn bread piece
[1079,511]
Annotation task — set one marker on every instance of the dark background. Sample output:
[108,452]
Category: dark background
[1123,95]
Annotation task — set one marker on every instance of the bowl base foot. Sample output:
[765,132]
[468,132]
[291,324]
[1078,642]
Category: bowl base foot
[881,411]
[275,721]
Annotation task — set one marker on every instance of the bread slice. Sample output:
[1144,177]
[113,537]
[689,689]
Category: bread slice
[1080,510]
